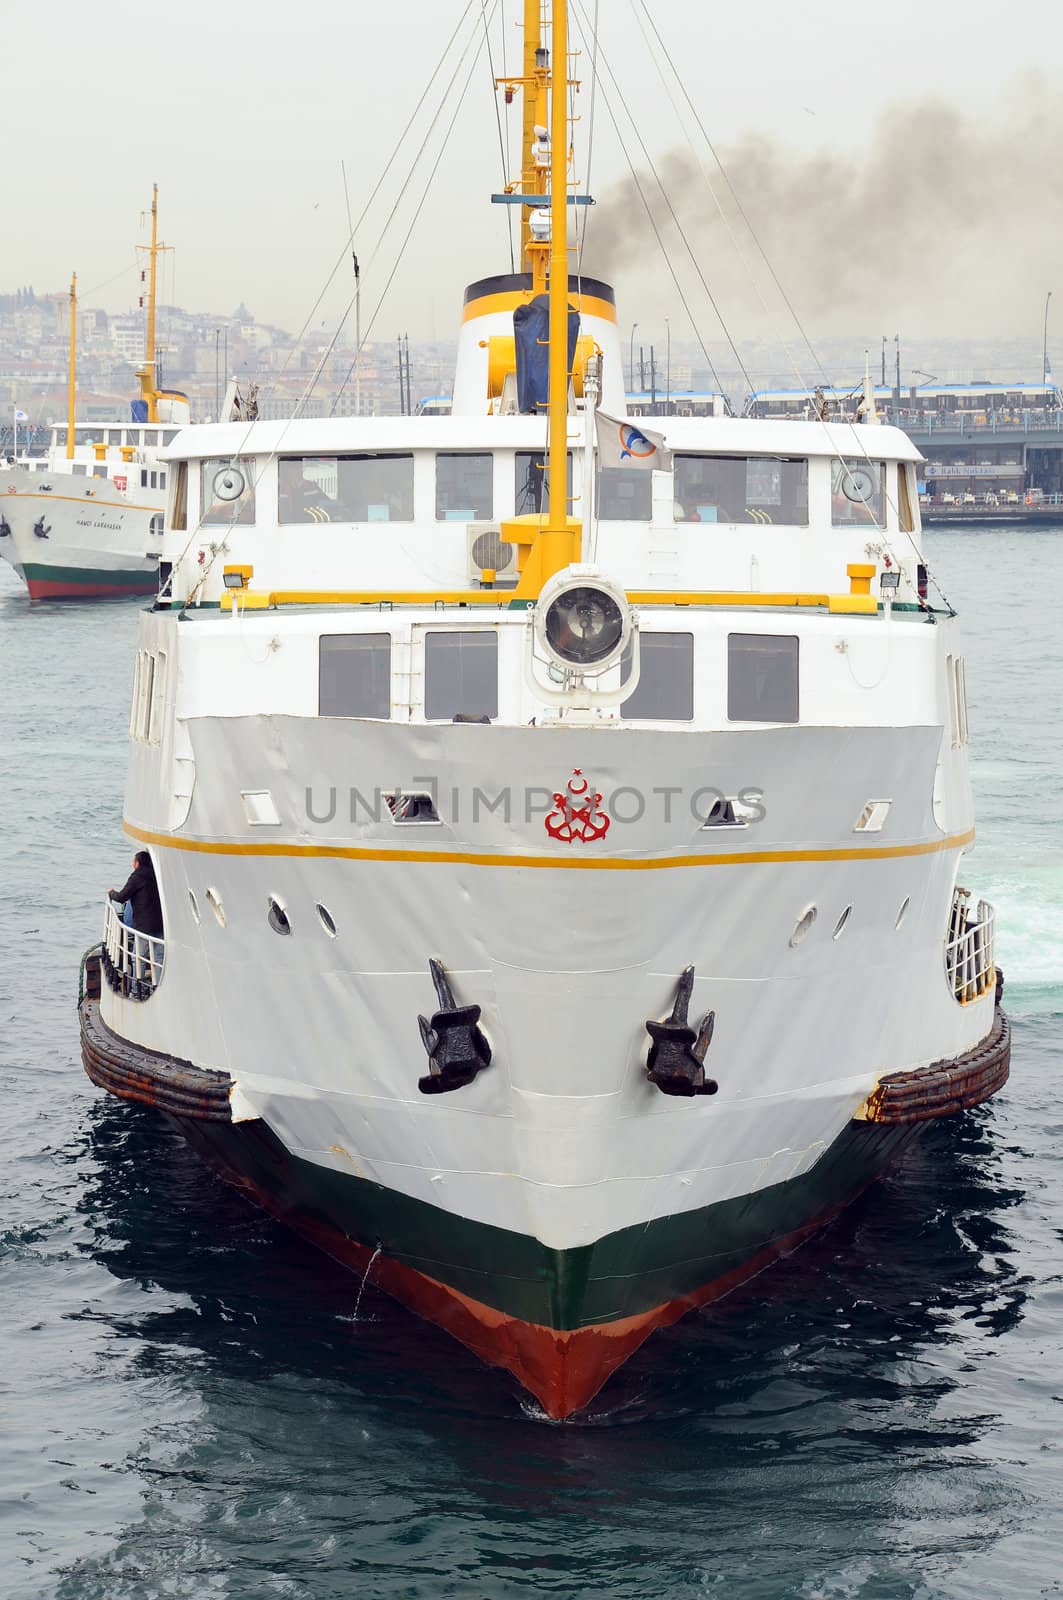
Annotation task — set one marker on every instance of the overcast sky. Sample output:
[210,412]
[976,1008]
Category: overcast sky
[243,113]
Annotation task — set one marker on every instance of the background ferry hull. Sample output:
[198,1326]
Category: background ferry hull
[96,548]
[566,1344]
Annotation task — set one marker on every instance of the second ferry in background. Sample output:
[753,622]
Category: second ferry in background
[84,521]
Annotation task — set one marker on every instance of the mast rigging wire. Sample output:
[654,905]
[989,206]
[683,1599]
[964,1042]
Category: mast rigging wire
[678,226]
[858,444]
[420,204]
[498,124]
[221,544]
[581,24]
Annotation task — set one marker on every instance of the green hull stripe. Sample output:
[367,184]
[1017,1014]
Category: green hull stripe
[625,1274]
[91,576]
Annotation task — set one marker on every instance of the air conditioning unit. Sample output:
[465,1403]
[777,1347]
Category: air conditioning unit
[487,551]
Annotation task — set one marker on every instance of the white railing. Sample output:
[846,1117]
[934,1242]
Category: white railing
[132,962]
[969,960]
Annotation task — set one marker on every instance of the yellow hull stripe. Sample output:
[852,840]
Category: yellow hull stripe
[488,304]
[75,500]
[471,858]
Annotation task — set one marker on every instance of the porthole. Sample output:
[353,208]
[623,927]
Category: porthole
[214,902]
[903,912]
[326,921]
[278,917]
[194,903]
[842,923]
[804,923]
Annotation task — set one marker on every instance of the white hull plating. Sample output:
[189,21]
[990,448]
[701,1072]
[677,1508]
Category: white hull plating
[568,952]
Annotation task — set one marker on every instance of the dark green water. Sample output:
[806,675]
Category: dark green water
[188,1407]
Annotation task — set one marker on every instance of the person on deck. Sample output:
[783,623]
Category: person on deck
[141,891]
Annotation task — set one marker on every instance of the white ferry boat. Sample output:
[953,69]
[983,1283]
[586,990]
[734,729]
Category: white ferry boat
[560,868]
[85,520]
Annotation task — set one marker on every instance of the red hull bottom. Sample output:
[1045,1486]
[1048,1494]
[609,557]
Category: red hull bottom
[60,589]
[563,1370]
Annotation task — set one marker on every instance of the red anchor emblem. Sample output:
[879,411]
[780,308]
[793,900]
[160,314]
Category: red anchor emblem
[577,817]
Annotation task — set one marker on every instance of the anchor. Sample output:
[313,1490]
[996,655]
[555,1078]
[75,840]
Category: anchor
[676,1062]
[40,529]
[457,1049]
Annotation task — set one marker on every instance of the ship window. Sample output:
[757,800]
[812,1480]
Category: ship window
[355,488]
[169,435]
[99,471]
[464,487]
[624,494]
[530,485]
[143,477]
[665,690]
[904,499]
[158,699]
[142,689]
[227,491]
[460,675]
[179,498]
[78,469]
[354,675]
[762,677]
[748,489]
[154,480]
[277,916]
[84,435]
[858,493]
[114,435]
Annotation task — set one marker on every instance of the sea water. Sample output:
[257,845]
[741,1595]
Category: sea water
[189,1407]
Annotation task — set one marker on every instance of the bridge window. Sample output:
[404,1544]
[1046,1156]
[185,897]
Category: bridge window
[530,487]
[904,498]
[354,488]
[354,675]
[625,494]
[464,487]
[460,675]
[748,489]
[762,677]
[665,690]
[858,493]
[179,498]
[227,492]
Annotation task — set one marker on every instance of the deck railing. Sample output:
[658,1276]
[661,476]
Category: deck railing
[969,953]
[132,962]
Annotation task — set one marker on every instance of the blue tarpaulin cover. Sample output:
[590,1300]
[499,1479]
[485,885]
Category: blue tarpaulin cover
[139,408]
[531,333]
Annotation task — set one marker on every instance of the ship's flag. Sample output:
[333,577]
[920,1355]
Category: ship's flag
[622,444]
[21,416]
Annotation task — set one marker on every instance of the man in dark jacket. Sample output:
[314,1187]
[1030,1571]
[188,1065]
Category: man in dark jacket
[142,893]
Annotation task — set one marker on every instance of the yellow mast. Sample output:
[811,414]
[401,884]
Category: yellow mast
[563,542]
[72,389]
[530,174]
[149,388]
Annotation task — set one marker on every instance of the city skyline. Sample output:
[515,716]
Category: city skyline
[908,204]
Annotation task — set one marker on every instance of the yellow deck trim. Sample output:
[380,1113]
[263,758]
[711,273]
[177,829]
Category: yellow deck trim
[221,847]
[491,304]
[250,600]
